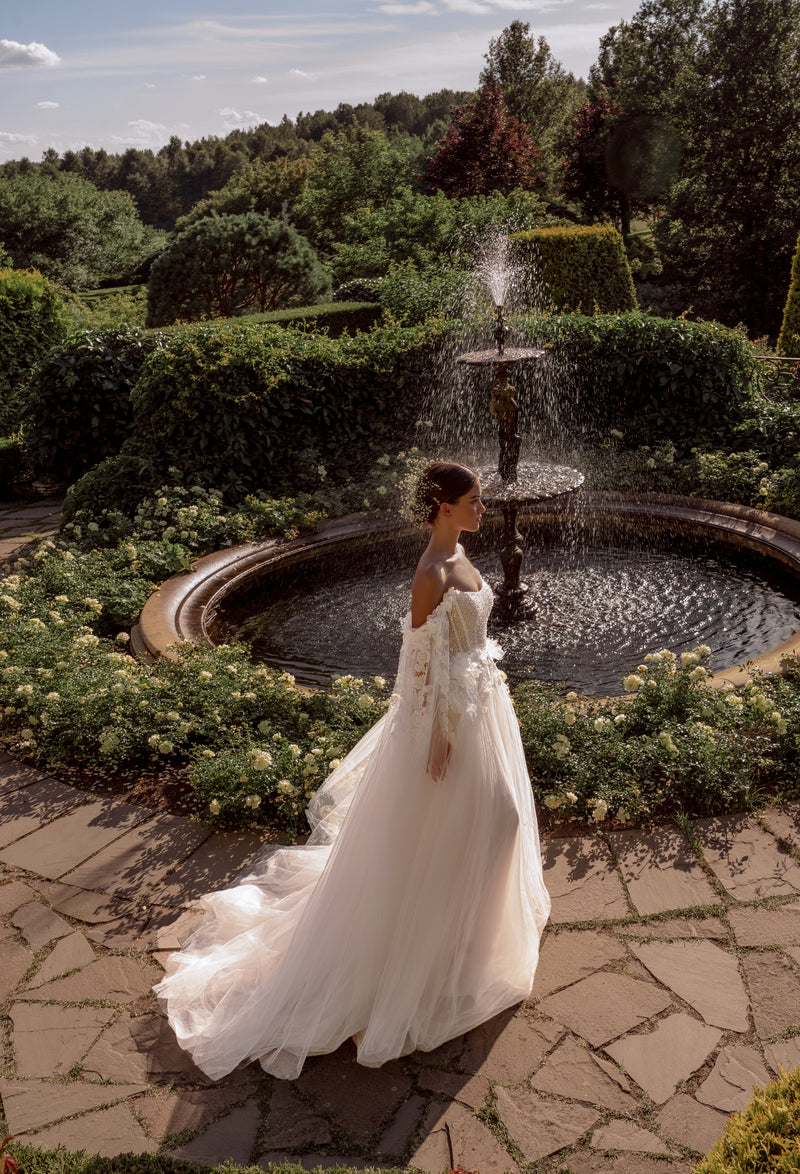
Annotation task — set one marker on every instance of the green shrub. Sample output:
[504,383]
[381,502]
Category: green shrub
[771,428]
[410,295]
[655,378]
[334,319]
[677,748]
[11,462]
[359,289]
[33,318]
[110,309]
[240,408]
[33,1160]
[77,404]
[228,265]
[765,1137]
[789,337]
[583,269]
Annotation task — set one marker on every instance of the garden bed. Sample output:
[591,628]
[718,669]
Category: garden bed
[251,747]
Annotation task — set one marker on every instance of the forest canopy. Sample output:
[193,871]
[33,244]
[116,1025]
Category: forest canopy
[694,158]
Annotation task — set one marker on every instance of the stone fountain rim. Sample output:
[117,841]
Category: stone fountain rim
[180,609]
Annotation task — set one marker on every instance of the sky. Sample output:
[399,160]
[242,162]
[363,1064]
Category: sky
[131,73]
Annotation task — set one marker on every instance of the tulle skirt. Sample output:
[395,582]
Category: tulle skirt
[417,917]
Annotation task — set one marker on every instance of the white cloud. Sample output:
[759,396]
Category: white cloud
[47,105]
[526,5]
[143,133]
[238,119]
[421,8]
[149,85]
[259,80]
[466,6]
[12,53]
[198,77]
[6,136]
[302,73]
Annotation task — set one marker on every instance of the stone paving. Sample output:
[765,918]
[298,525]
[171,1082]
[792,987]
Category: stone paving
[668,987]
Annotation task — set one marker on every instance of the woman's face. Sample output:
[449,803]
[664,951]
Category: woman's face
[469,509]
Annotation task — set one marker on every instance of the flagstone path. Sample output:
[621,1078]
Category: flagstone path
[668,987]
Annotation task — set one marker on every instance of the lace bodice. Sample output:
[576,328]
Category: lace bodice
[468,612]
[446,670]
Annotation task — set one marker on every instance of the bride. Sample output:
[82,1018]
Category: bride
[415,909]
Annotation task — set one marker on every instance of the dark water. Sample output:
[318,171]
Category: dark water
[600,610]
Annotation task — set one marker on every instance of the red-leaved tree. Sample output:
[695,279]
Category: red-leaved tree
[485,150]
[585,174]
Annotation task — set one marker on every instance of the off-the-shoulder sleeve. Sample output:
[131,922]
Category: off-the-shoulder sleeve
[420,704]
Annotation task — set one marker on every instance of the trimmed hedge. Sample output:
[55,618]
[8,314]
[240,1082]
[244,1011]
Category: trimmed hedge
[765,1138]
[789,337]
[334,319]
[584,269]
[255,406]
[77,404]
[656,379]
[33,317]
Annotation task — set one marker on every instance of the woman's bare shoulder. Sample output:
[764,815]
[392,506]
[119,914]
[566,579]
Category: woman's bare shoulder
[427,592]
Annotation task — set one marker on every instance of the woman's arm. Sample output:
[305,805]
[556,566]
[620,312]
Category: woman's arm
[426,595]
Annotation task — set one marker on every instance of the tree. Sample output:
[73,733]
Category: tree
[584,174]
[730,226]
[228,265]
[272,188]
[485,150]
[647,61]
[71,231]
[536,88]
[354,171]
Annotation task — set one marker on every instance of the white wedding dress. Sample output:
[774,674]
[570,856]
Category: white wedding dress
[415,909]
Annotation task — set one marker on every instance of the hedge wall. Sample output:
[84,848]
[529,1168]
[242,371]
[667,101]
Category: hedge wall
[656,379]
[244,408]
[584,269]
[76,408]
[33,317]
[333,318]
[789,337]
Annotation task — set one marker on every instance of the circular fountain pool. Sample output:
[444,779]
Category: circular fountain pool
[650,571]
[600,610]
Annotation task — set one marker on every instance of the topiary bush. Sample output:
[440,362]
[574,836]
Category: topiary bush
[789,337]
[77,405]
[583,269]
[241,409]
[33,318]
[228,265]
[765,1138]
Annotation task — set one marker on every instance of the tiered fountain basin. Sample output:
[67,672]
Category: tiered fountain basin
[199,606]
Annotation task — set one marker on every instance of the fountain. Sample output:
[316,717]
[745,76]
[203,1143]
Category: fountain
[510,487]
[221,598]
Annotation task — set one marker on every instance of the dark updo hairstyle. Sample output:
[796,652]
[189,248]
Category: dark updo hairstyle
[442,481]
